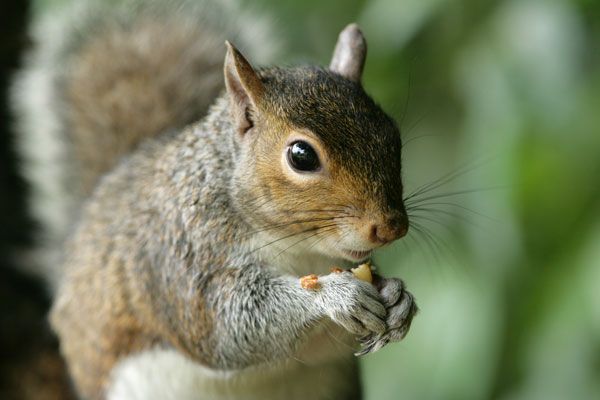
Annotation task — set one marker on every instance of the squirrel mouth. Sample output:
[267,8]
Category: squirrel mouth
[357,255]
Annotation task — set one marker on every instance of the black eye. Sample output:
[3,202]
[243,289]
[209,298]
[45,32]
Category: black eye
[302,157]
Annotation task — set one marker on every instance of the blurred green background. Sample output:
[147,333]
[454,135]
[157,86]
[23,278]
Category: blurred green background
[502,98]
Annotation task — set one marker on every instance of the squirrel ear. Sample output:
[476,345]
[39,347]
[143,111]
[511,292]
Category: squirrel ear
[349,55]
[243,86]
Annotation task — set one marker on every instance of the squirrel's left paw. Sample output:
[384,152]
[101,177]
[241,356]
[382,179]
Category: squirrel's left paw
[401,308]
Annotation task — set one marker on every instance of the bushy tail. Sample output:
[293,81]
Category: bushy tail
[105,75]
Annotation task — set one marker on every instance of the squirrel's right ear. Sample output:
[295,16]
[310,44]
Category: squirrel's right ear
[350,52]
[243,86]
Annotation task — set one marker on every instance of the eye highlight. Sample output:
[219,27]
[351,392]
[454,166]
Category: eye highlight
[302,157]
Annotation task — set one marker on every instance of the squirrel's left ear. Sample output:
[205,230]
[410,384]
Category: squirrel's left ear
[243,86]
[350,52]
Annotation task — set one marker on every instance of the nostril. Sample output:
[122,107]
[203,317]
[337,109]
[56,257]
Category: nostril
[381,234]
[373,233]
[388,231]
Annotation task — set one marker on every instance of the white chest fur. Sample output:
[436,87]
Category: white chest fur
[166,374]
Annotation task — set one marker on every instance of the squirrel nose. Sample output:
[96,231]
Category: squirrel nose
[388,230]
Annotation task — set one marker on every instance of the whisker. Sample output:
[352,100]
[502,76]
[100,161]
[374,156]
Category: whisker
[421,239]
[454,193]
[441,243]
[409,140]
[340,238]
[427,218]
[456,216]
[418,121]
[410,238]
[291,235]
[414,234]
[318,240]
[446,178]
[431,240]
[415,205]
[330,228]
[290,223]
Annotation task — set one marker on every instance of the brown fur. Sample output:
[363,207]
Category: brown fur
[359,144]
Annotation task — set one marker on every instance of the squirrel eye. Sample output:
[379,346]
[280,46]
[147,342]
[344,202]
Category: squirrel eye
[302,157]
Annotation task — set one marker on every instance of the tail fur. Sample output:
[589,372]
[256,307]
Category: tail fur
[102,77]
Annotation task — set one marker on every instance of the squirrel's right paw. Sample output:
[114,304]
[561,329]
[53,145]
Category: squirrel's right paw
[352,303]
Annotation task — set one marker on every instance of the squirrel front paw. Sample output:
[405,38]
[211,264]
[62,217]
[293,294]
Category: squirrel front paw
[400,307]
[353,304]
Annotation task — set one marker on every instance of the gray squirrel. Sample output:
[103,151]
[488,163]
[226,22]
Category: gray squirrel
[177,217]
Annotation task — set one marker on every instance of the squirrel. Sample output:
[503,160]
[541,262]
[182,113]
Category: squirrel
[192,194]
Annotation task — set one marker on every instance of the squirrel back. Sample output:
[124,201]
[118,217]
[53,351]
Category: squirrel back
[100,79]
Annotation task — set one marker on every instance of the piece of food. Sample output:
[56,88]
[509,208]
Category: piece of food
[363,272]
[337,270]
[310,282]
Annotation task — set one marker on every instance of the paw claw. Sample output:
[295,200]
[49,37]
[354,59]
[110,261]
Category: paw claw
[401,308]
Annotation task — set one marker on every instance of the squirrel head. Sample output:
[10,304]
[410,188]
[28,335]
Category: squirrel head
[319,163]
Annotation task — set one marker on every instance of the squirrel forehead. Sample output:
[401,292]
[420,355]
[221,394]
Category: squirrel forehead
[334,108]
[322,101]
[356,132]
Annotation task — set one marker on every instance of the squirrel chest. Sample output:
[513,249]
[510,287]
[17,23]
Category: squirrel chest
[166,374]
[323,366]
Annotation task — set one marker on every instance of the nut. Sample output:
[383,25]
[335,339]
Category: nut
[363,272]
[310,282]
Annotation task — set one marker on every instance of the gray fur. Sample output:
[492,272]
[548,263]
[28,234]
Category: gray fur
[401,308]
[45,139]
